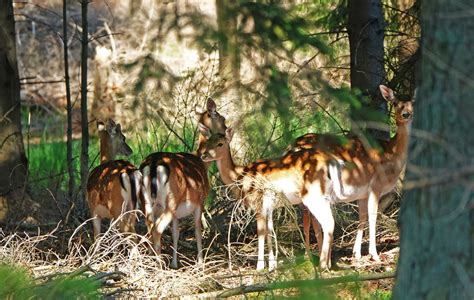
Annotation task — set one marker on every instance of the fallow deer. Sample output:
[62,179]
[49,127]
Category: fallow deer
[114,186]
[259,182]
[302,176]
[382,169]
[358,173]
[176,184]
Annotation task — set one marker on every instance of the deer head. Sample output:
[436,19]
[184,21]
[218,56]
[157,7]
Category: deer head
[217,145]
[403,107]
[112,140]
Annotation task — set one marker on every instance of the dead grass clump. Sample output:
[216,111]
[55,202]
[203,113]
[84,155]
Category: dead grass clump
[121,262]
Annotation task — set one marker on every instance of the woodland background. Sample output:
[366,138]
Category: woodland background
[277,70]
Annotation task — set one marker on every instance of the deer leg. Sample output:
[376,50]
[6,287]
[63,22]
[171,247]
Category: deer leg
[320,207]
[372,206]
[198,233]
[356,252]
[306,229]
[174,262]
[272,262]
[160,225]
[96,226]
[318,232]
[261,233]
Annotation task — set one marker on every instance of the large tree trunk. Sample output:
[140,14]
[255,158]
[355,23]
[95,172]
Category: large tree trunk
[365,26]
[13,162]
[437,218]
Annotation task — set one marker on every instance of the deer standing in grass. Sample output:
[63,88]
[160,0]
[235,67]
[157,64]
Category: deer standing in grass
[175,186]
[113,187]
[365,174]
[318,178]
[259,182]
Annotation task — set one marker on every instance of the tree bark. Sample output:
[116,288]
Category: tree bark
[437,220]
[13,162]
[70,166]
[84,118]
[365,26]
[229,55]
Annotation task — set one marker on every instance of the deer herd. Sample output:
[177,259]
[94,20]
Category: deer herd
[317,171]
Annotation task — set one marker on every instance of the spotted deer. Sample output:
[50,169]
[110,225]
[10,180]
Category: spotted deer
[175,186]
[387,165]
[114,185]
[319,178]
[260,182]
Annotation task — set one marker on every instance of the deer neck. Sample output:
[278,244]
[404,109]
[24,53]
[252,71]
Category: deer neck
[398,145]
[227,169]
[106,151]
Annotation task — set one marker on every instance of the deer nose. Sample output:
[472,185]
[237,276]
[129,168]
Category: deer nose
[203,156]
[406,115]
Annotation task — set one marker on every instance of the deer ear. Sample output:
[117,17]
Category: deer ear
[111,126]
[229,133]
[211,106]
[387,93]
[100,125]
[204,130]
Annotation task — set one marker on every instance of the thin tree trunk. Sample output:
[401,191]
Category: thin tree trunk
[84,119]
[13,162]
[365,26]
[70,166]
[437,220]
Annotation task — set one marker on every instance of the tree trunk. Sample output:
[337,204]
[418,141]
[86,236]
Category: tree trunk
[437,218]
[13,162]
[84,118]
[70,165]
[365,26]
[229,55]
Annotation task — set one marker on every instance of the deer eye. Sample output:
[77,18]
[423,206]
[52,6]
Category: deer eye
[220,145]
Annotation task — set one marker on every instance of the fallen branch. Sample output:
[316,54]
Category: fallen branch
[312,283]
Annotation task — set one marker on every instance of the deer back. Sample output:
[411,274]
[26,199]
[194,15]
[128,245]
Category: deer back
[115,186]
[186,176]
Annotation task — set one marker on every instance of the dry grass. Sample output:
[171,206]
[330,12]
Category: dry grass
[123,261]
[125,266]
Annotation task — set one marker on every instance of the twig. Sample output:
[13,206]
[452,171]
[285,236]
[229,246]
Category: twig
[120,291]
[172,130]
[312,283]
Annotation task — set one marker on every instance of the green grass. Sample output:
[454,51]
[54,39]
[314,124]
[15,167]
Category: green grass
[47,159]
[16,283]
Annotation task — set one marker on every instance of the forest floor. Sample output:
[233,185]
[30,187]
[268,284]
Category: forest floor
[126,266]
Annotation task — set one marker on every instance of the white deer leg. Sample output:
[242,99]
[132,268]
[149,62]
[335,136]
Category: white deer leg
[261,233]
[198,233]
[356,252]
[320,207]
[272,262]
[372,205]
[174,262]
